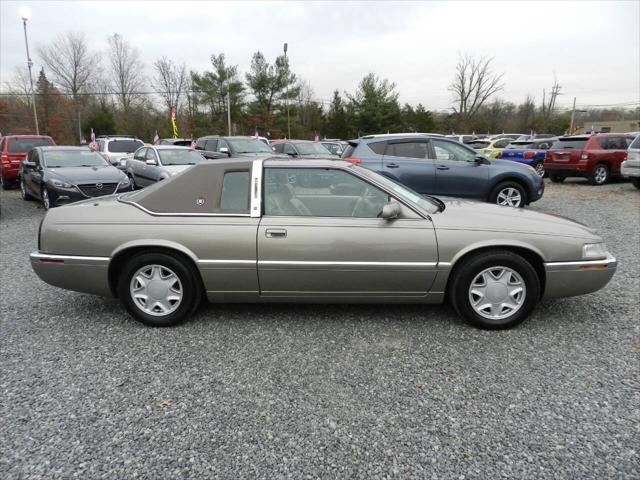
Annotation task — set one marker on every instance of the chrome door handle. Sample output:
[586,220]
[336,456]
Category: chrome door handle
[392,165]
[442,167]
[275,233]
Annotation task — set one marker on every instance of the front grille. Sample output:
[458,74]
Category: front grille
[98,189]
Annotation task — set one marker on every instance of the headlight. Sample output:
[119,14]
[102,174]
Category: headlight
[594,250]
[60,184]
[124,181]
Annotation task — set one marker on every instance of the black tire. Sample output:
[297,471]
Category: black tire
[471,267]
[539,168]
[46,199]
[555,178]
[133,181]
[599,175]
[23,191]
[6,183]
[191,288]
[635,181]
[501,189]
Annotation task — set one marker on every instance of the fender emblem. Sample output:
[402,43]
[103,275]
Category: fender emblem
[200,201]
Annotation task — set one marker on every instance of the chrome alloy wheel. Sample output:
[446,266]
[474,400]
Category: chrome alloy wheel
[510,197]
[46,201]
[600,175]
[23,189]
[497,293]
[156,290]
[540,168]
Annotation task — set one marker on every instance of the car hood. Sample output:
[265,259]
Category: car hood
[462,214]
[105,174]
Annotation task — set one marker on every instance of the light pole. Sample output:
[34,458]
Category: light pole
[287,93]
[25,14]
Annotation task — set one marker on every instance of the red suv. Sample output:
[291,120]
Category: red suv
[13,149]
[596,157]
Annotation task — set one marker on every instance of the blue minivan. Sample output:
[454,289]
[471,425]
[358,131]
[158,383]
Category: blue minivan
[432,164]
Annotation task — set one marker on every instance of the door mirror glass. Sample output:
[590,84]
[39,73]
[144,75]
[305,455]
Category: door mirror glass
[150,161]
[224,150]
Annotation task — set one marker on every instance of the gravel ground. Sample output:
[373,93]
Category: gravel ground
[307,391]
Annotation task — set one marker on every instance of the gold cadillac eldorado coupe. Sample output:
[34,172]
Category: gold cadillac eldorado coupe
[319,231]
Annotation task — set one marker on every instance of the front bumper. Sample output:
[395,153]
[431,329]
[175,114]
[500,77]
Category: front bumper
[78,273]
[62,196]
[568,279]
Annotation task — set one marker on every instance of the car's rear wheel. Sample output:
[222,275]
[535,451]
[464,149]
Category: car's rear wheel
[158,289]
[539,168]
[509,194]
[555,178]
[635,181]
[599,175]
[46,199]
[6,183]
[494,290]
[23,191]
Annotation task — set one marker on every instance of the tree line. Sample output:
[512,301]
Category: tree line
[78,89]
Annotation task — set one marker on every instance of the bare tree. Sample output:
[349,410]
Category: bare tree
[70,61]
[126,69]
[170,81]
[473,85]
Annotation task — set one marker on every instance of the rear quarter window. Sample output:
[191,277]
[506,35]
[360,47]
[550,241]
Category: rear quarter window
[235,192]
[635,143]
[378,147]
[348,151]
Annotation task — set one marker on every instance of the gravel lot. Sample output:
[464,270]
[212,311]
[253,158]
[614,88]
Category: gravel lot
[323,391]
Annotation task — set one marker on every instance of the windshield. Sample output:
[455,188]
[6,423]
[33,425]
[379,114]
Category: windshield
[478,144]
[179,157]
[17,145]
[248,145]
[429,204]
[569,143]
[73,158]
[124,146]
[312,149]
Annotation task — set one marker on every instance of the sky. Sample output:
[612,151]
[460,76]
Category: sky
[592,48]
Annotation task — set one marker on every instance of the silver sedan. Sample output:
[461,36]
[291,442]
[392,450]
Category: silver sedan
[152,164]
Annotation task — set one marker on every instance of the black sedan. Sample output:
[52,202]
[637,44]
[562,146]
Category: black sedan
[59,175]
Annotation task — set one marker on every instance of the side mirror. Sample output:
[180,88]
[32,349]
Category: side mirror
[225,150]
[478,159]
[150,162]
[391,210]
[29,165]
[292,154]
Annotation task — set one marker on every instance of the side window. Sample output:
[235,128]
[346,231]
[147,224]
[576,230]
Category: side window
[289,150]
[200,144]
[278,147]
[444,150]
[35,157]
[150,155]
[222,144]
[235,192]
[407,149]
[320,192]
[502,143]
[635,143]
[619,143]
[211,145]
[603,143]
[139,155]
[378,147]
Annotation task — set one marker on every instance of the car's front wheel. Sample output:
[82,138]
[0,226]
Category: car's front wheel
[23,190]
[599,175]
[158,289]
[495,290]
[509,194]
[46,199]
[539,168]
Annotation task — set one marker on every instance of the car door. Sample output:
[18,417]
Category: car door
[36,173]
[151,172]
[329,242]
[407,161]
[136,164]
[457,172]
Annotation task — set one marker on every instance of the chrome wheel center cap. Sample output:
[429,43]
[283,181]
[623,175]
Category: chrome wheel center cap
[497,292]
[158,290]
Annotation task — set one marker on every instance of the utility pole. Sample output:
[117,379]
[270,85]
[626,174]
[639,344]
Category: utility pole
[287,93]
[229,108]
[573,115]
[25,13]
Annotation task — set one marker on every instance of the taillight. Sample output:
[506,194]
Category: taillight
[353,160]
[4,158]
[529,154]
[584,156]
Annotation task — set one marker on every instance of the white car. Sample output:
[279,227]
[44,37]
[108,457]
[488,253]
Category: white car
[631,166]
